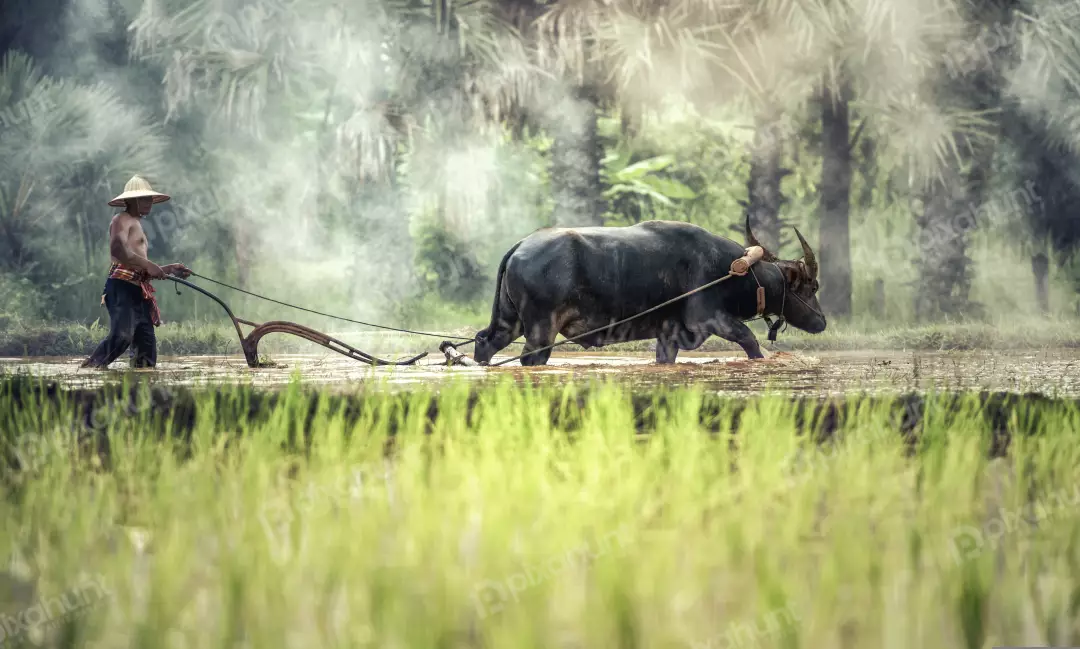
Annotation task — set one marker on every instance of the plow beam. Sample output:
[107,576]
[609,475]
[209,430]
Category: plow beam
[250,343]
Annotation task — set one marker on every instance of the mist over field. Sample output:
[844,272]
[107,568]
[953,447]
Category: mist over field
[375,159]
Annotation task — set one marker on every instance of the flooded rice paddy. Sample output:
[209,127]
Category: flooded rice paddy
[1054,372]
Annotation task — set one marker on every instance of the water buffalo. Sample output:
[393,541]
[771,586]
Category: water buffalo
[574,280]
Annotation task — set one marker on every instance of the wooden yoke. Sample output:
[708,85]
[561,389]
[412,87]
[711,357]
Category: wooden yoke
[741,266]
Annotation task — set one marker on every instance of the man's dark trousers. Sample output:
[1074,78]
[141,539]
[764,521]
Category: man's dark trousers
[130,324]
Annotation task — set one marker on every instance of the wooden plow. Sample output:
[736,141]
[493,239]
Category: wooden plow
[250,342]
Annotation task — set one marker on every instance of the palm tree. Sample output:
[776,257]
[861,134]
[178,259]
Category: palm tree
[977,97]
[836,172]
[1039,127]
[565,41]
[890,57]
[391,76]
[786,56]
[768,56]
[622,54]
[64,149]
[873,52]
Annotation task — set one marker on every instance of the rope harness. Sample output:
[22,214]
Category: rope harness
[774,327]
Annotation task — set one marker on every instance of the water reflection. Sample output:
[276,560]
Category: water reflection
[1055,372]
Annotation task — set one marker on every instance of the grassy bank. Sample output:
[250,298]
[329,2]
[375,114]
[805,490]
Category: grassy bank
[50,339]
[535,518]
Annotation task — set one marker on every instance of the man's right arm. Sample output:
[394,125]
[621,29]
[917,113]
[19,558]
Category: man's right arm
[118,237]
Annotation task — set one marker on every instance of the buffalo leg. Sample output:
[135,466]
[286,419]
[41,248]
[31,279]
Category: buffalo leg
[666,350]
[492,343]
[539,333]
[669,342]
[675,337]
[728,328]
[504,329]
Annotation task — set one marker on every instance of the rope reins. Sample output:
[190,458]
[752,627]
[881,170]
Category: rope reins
[464,340]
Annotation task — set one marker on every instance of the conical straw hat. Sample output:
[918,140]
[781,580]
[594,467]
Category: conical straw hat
[137,187]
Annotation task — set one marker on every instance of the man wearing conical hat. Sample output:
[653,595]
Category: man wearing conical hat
[128,295]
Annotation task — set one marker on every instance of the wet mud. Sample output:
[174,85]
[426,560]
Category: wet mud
[1054,372]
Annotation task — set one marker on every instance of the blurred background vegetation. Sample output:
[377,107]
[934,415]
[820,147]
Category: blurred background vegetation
[376,158]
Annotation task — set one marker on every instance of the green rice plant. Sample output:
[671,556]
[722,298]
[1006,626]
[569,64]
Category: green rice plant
[538,515]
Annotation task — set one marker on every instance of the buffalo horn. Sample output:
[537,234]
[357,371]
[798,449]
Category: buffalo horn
[751,240]
[808,255]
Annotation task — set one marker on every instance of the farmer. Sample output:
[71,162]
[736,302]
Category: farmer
[133,311]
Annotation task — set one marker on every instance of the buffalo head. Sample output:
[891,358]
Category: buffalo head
[801,307]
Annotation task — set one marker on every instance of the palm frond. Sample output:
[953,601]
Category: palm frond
[68,147]
[18,76]
[930,139]
[1046,82]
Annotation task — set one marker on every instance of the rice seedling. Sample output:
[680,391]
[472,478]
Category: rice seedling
[536,516]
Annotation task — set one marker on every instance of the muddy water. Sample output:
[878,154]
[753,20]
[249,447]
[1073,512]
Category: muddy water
[1052,372]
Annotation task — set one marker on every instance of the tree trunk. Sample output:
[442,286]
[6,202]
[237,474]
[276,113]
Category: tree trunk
[763,187]
[949,217]
[877,304]
[575,161]
[835,237]
[951,207]
[1040,266]
[868,171]
[943,264]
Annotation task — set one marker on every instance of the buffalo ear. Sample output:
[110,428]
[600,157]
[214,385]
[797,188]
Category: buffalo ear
[793,274]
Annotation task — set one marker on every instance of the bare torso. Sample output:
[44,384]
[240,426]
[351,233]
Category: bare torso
[136,238]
